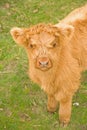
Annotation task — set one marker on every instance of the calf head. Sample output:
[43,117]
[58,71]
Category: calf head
[43,43]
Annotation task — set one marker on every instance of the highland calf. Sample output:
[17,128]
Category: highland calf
[57,56]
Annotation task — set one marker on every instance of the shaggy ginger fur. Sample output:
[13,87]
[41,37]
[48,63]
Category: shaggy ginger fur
[57,56]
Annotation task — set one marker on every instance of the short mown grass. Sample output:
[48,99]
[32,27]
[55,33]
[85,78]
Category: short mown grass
[23,103]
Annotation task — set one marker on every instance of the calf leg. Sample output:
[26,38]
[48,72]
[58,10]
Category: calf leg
[52,104]
[65,111]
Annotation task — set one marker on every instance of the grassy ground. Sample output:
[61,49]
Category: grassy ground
[22,103]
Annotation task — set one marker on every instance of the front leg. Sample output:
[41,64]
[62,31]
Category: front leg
[65,111]
[52,103]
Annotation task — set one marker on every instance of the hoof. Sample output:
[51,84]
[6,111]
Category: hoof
[64,124]
[51,110]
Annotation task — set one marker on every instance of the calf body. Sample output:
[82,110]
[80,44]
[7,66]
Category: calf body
[57,56]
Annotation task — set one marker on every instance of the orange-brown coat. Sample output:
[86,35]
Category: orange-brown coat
[57,56]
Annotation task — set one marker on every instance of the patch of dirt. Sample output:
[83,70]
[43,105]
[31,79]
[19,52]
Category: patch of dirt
[8,112]
[6,5]
[9,67]
[24,117]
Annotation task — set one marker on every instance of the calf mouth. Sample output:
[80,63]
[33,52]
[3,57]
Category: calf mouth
[44,68]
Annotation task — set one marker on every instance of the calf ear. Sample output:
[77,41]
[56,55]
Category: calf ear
[18,35]
[65,31]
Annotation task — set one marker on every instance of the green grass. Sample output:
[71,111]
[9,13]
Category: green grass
[22,103]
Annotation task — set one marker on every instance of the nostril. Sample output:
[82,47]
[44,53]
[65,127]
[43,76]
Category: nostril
[45,63]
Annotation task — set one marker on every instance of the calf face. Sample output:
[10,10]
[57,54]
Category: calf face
[43,43]
[42,50]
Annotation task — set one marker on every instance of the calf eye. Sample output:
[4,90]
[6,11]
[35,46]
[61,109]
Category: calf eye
[54,44]
[32,46]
